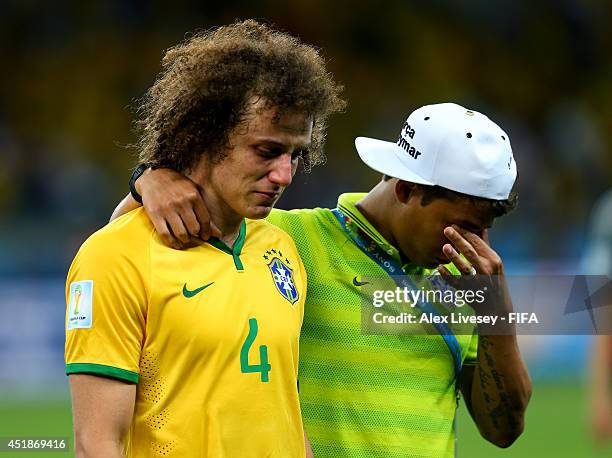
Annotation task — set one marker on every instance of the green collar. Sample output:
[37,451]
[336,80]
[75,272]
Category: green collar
[238,244]
[347,204]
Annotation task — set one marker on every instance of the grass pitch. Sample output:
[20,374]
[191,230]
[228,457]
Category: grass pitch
[556,426]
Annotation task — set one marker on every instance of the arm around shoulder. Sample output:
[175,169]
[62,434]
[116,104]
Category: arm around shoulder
[126,205]
[175,206]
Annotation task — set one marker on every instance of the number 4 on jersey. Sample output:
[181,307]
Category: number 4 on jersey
[264,366]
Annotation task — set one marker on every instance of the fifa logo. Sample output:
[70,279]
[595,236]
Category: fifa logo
[78,291]
[79,315]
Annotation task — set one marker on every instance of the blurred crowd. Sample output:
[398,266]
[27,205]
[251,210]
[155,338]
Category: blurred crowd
[72,71]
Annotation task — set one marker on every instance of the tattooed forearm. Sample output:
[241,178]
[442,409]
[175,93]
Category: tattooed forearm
[500,390]
[494,395]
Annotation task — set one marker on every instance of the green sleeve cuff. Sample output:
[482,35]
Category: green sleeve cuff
[100,369]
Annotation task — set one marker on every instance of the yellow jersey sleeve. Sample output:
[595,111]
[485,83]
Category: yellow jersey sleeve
[106,298]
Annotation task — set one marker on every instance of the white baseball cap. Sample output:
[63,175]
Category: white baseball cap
[449,146]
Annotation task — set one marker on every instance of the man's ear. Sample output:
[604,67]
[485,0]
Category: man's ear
[404,191]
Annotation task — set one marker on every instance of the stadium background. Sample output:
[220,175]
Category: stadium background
[71,69]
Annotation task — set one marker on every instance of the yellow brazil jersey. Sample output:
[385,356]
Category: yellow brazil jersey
[209,335]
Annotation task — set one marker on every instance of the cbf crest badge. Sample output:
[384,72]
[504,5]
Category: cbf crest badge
[282,275]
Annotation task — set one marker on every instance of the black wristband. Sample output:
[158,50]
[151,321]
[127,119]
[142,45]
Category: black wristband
[138,171]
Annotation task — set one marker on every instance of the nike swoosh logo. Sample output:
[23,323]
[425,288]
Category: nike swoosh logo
[193,292]
[360,283]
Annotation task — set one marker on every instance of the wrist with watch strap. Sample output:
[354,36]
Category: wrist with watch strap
[137,173]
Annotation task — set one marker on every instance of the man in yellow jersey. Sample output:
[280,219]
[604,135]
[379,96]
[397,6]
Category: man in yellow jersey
[195,352]
[448,176]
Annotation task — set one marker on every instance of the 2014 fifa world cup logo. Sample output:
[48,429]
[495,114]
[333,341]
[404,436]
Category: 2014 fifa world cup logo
[77,298]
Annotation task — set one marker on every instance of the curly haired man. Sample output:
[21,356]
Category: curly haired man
[195,352]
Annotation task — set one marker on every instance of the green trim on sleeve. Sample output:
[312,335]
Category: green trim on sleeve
[101,369]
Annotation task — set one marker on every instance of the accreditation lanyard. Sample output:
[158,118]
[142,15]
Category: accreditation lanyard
[395,271]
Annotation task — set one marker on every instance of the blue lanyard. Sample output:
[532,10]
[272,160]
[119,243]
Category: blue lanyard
[395,271]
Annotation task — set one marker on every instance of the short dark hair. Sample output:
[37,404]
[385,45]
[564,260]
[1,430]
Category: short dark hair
[498,207]
[204,89]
